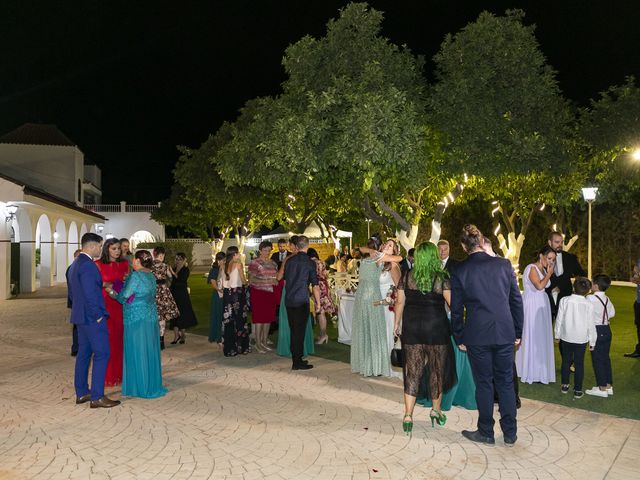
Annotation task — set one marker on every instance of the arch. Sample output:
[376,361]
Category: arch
[141,236]
[83,230]
[44,242]
[60,247]
[73,241]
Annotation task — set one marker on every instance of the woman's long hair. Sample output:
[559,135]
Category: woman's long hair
[104,257]
[427,267]
[231,251]
[219,256]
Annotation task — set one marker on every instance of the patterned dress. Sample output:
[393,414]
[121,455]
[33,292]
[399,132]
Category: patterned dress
[235,330]
[325,293]
[167,308]
[370,354]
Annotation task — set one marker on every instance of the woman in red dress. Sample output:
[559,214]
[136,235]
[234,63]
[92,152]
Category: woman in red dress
[113,269]
[262,280]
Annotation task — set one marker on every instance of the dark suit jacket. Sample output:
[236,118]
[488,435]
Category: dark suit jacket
[487,288]
[276,258]
[404,266]
[85,291]
[570,268]
[451,265]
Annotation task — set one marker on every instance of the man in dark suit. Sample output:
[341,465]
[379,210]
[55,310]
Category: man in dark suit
[281,254]
[407,263]
[74,333]
[487,288]
[449,264]
[565,268]
[89,314]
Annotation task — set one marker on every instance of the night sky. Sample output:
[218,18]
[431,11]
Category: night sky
[128,81]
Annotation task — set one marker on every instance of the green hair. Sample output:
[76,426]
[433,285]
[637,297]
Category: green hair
[427,267]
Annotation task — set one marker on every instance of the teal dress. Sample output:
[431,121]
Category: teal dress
[215,310]
[370,353]
[284,332]
[463,393]
[142,368]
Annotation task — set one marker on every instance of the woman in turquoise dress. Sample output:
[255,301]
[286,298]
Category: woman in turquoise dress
[284,332]
[142,369]
[370,353]
[215,311]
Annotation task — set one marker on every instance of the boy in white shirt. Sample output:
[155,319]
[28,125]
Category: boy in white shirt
[575,327]
[603,312]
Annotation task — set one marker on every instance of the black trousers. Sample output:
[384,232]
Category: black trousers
[493,364]
[298,318]
[600,357]
[573,353]
[636,315]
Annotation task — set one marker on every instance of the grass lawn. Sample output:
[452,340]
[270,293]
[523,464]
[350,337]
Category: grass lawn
[626,371]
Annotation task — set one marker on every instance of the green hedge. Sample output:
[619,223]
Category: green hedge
[172,247]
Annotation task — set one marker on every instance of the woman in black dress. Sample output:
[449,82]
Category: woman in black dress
[421,321]
[187,317]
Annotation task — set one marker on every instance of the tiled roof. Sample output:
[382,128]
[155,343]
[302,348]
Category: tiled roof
[37,134]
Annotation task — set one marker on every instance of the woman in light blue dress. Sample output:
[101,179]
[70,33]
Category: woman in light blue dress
[142,369]
[370,349]
[284,332]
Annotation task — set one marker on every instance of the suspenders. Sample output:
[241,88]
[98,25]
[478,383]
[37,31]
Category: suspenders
[605,314]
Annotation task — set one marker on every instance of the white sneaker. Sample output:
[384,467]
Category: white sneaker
[610,391]
[596,392]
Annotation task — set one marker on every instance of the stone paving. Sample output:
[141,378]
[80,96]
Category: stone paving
[251,417]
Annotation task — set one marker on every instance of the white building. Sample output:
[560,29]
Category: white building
[49,198]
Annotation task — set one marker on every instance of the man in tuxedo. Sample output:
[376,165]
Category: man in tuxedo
[281,254]
[447,263]
[487,289]
[89,314]
[407,263]
[565,268]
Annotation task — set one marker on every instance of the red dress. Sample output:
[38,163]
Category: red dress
[114,272]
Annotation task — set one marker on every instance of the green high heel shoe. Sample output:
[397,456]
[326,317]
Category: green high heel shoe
[407,426]
[437,417]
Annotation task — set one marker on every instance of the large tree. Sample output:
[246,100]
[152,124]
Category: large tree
[499,106]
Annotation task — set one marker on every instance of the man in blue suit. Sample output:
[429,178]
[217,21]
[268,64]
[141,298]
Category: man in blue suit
[487,289]
[89,314]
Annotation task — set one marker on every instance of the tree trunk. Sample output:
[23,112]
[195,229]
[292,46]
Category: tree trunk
[408,238]
[511,248]
[567,246]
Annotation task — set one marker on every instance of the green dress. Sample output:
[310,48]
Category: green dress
[370,353]
[284,332]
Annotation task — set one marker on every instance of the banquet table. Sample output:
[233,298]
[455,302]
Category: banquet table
[345,317]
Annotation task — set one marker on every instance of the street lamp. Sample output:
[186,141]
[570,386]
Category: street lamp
[589,195]
[368,220]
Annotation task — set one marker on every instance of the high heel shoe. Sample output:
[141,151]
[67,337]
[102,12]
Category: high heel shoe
[322,339]
[407,426]
[175,340]
[183,339]
[437,417]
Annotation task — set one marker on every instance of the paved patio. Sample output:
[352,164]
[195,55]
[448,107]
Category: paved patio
[252,417]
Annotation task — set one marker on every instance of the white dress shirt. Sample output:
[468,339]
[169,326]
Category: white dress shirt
[444,262]
[599,317]
[558,268]
[574,323]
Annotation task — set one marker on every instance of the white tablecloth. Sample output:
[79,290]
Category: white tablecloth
[345,317]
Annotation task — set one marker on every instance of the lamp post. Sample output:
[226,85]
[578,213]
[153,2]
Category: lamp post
[368,220]
[589,195]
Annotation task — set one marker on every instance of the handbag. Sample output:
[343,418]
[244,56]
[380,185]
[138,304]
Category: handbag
[397,355]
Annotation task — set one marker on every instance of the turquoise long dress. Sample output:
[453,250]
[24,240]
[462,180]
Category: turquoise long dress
[370,353]
[284,332]
[142,368]
[463,393]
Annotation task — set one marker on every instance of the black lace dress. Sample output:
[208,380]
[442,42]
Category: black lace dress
[430,366]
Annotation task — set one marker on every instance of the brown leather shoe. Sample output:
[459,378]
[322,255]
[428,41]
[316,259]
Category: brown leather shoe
[104,402]
[83,399]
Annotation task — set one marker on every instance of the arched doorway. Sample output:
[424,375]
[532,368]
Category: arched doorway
[83,230]
[44,252]
[60,243]
[73,242]
[141,236]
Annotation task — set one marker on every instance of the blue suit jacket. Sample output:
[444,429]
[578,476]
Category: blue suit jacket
[487,288]
[85,291]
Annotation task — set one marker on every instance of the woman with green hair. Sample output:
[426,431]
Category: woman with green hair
[425,332]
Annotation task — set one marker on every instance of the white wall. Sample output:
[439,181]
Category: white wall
[124,225]
[54,169]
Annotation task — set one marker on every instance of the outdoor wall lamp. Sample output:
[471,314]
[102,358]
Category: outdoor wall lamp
[11,213]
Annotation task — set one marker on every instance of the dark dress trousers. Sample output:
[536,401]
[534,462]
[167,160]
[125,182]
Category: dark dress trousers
[487,289]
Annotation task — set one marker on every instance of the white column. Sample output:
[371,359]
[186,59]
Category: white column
[27,266]
[46,264]
[5,260]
